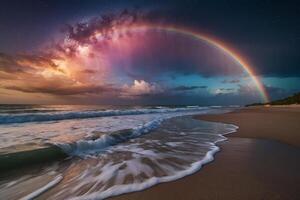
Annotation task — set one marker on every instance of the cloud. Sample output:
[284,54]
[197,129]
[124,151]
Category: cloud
[61,90]
[23,63]
[278,93]
[38,73]
[9,64]
[224,91]
[231,81]
[141,88]
[188,88]
[76,66]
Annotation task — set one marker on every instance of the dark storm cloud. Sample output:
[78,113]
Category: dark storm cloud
[37,60]
[227,89]
[24,63]
[278,93]
[230,97]
[61,90]
[188,88]
[9,64]
[281,60]
[271,37]
[273,92]
[231,81]
[266,33]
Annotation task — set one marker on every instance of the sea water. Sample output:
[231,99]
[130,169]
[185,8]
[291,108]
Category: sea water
[109,150]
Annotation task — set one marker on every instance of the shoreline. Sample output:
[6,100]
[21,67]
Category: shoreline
[271,123]
[249,165]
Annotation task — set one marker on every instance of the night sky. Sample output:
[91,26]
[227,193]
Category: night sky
[106,52]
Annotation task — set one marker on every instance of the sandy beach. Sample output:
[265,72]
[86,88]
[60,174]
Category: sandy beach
[259,161]
[280,123]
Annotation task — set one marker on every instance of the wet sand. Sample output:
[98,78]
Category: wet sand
[281,123]
[259,161]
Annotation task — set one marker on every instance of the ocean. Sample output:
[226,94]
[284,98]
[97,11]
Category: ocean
[94,152]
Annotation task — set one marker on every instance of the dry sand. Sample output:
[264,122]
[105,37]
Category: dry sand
[260,161]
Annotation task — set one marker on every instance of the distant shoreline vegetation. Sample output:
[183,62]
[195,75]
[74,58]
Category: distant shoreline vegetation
[294,99]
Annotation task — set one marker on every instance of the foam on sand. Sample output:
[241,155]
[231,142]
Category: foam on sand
[141,162]
[41,190]
[133,187]
[111,155]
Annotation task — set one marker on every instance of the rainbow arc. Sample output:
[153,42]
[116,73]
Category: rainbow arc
[218,44]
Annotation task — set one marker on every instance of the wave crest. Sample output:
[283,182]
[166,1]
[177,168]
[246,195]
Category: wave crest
[41,117]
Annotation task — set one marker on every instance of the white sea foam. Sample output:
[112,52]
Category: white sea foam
[173,156]
[137,167]
[51,116]
[69,131]
[116,153]
[41,190]
[84,146]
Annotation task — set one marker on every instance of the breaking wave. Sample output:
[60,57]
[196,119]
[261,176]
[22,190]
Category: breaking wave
[41,117]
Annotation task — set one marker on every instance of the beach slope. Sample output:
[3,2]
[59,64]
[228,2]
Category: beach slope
[259,161]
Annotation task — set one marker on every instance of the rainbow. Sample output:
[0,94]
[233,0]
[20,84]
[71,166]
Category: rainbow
[218,44]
